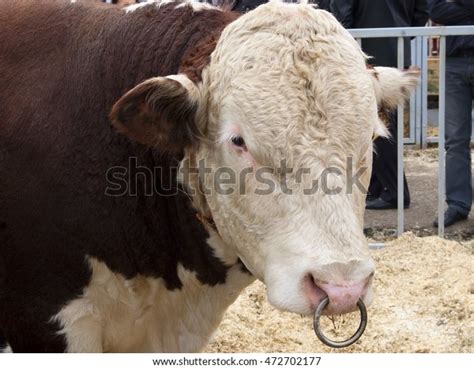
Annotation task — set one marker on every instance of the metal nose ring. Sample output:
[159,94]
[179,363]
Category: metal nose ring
[339,344]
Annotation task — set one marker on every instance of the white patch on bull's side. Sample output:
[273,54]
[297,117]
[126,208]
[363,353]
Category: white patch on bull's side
[222,251]
[197,6]
[140,315]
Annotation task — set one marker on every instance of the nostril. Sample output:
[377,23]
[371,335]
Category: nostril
[313,292]
[313,285]
[343,296]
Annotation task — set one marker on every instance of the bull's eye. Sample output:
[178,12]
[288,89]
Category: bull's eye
[238,141]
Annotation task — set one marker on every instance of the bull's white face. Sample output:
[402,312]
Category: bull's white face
[287,102]
[288,87]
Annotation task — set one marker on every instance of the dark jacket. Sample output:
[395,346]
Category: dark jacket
[323,4]
[378,14]
[456,13]
[243,6]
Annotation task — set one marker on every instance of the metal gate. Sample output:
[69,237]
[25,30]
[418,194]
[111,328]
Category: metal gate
[419,106]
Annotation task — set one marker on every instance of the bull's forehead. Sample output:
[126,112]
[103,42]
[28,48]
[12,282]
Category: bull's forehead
[282,36]
[290,76]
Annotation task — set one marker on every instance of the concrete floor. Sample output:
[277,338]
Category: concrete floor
[422,175]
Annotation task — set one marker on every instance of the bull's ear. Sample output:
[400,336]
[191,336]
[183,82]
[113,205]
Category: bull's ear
[392,86]
[160,112]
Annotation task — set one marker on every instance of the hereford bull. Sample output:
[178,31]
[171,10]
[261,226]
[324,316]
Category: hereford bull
[88,265]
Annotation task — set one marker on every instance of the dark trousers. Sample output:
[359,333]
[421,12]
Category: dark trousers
[459,95]
[384,168]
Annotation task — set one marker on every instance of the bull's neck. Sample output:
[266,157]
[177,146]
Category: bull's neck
[159,41]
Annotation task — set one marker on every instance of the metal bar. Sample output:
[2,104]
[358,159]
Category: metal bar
[424,92]
[434,140]
[412,118]
[376,245]
[417,112]
[441,149]
[411,31]
[413,95]
[400,209]
[419,91]
[411,132]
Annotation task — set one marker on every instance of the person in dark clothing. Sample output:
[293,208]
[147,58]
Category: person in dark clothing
[381,14]
[243,6]
[324,4]
[459,99]
[383,52]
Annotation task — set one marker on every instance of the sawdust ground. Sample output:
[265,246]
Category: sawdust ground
[424,302]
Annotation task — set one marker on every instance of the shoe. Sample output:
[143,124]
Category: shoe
[381,204]
[451,216]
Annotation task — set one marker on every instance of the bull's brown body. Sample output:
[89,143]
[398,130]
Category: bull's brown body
[62,66]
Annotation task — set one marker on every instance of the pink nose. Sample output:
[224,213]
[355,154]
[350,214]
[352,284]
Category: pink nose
[343,296]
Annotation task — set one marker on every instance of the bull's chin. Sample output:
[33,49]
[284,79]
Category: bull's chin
[291,304]
[285,295]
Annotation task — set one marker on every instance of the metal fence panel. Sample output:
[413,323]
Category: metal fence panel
[420,101]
